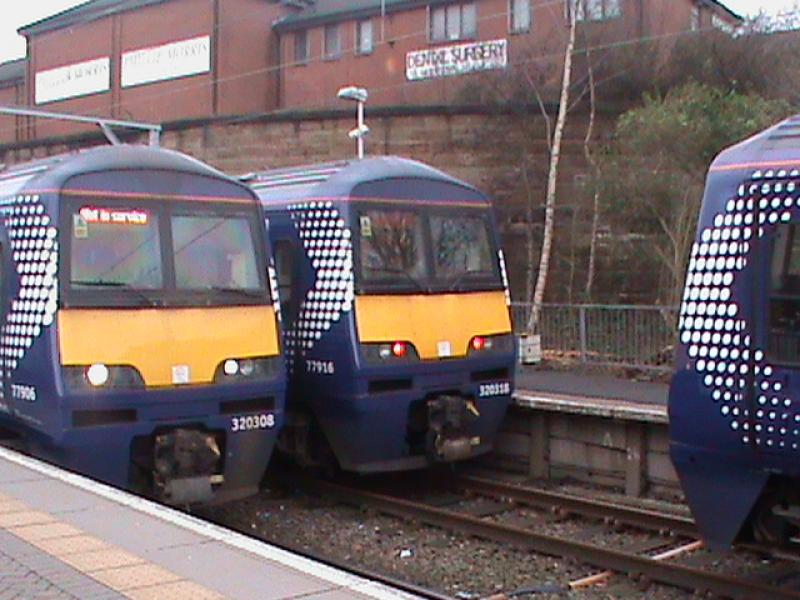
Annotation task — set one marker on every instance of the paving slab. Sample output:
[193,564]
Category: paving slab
[66,536]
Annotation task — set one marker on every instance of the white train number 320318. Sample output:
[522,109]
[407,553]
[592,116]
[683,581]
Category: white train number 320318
[500,388]
[253,422]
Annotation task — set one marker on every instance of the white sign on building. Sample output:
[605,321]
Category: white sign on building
[170,61]
[444,61]
[79,79]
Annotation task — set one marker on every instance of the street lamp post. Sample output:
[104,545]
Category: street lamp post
[359,95]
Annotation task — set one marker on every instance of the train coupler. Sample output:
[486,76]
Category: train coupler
[186,465]
[448,419]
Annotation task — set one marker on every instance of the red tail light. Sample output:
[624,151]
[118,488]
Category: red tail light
[478,343]
[399,349]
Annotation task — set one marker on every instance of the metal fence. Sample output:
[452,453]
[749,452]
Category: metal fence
[641,337]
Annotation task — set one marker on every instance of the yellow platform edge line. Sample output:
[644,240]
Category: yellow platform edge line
[111,566]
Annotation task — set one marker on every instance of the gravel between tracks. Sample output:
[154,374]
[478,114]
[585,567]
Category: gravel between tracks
[454,564]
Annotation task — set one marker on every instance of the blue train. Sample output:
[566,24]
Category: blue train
[395,304]
[734,401]
[140,341]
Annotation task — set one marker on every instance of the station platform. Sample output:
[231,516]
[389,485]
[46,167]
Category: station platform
[539,380]
[65,536]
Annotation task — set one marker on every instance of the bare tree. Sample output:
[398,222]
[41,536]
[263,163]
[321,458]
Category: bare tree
[529,193]
[552,179]
[587,152]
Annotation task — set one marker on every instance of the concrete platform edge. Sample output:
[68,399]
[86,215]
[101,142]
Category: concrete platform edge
[211,531]
[596,407]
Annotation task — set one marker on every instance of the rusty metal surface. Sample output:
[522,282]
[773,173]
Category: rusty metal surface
[607,558]
[607,511]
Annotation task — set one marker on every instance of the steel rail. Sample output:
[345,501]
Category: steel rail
[607,558]
[628,515]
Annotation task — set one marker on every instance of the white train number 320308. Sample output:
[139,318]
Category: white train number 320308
[253,422]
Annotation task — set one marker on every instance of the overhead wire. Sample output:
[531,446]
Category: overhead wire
[390,41]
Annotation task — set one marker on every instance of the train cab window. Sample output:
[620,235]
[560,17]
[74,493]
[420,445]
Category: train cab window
[392,246]
[214,252]
[162,255]
[115,248]
[784,301]
[284,265]
[460,246]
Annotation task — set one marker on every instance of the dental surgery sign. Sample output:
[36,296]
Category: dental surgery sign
[170,61]
[444,61]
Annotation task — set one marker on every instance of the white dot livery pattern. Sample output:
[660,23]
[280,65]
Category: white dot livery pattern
[327,242]
[34,248]
[716,336]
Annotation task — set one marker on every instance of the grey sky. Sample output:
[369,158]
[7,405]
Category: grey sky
[16,14]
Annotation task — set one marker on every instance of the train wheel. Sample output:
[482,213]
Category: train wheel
[769,528]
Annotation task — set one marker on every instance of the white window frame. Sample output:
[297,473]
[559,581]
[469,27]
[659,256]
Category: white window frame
[512,26]
[447,10]
[594,11]
[694,18]
[358,37]
[719,23]
[325,36]
[307,51]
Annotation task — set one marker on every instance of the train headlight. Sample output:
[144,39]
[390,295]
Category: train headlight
[247,369]
[398,351]
[97,374]
[230,367]
[483,344]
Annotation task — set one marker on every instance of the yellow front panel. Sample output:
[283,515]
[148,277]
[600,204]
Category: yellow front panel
[155,340]
[429,320]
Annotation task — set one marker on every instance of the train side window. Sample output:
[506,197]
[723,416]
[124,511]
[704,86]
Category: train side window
[784,300]
[284,265]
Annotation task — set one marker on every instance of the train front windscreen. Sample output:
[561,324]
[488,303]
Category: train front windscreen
[404,250]
[162,254]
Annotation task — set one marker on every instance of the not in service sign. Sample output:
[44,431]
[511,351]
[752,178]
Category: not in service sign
[444,61]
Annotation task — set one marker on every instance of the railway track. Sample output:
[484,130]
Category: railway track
[635,565]
[568,503]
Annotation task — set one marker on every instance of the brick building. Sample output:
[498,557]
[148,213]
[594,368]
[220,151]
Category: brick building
[167,60]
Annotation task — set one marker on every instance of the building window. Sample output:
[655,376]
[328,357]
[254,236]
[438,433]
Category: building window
[694,23]
[722,25]
[301,47]
[596,10]
[364,37]
[520,12]
[453,22]
[333,43]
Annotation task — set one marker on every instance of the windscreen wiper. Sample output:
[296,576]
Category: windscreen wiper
[460,277]
[116,284]
[418,284]
[250,293]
